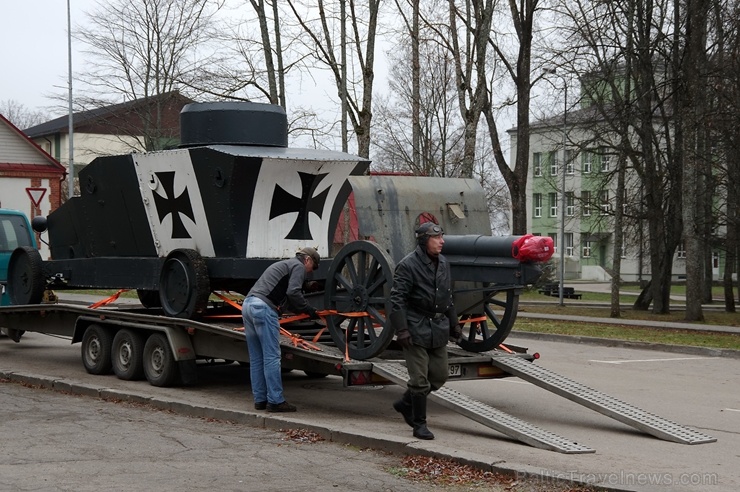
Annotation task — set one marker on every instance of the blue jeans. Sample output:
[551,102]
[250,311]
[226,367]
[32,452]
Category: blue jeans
[262,331]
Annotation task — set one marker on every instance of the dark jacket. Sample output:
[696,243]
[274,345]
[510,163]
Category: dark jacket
[282,282]
[421,299]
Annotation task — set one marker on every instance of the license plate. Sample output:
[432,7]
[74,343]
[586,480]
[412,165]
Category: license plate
[455,370]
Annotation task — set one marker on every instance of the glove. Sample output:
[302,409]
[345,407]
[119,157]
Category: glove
[455,333]
[313,314]
[404,339]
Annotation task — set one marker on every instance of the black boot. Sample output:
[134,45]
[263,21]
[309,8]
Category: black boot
[419,405]
[403,406]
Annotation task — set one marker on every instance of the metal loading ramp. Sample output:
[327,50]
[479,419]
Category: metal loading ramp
[600,402]
[486,415]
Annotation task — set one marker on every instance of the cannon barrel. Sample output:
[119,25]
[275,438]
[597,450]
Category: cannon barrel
[503,260]
[478,245]
[527,248]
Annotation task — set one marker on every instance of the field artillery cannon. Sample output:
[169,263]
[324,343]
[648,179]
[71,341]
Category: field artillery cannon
[179,224]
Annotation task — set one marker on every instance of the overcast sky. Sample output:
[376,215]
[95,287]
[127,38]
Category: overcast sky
[33,49]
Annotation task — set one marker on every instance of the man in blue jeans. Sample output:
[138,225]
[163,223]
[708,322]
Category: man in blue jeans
[281,282]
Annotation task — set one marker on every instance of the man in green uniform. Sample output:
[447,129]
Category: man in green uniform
[424,319]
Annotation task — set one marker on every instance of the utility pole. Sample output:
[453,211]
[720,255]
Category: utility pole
[561,211]
[70,130]
[562,196]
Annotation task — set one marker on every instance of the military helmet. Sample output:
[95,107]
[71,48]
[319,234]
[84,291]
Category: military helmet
[427,230]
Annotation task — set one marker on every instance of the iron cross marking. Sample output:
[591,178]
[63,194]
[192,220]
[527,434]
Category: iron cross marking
[173,205]
[284,202]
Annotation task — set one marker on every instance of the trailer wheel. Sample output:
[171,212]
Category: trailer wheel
[479,336]
[184,285]
[97,343]
[149,298]
[360,278]
[26,282]
[127,355]
[160,367]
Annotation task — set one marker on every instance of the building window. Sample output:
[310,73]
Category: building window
[553,204]
[537,164]
[586,203]
[681,252]
[606,207]
[715,259]
[606,162]
[586,158]
[586,249]
[570,204]
[554,236]
[568,244]
[568,162]
[537,204]
[553,163]
[624,245]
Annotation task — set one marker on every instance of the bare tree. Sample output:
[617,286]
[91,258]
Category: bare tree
[724,84]
[276,78]
[140,51]
[20,115]
[412,28]
[692,110]
[317,23]
[631,85]
[519,68]
[440,147]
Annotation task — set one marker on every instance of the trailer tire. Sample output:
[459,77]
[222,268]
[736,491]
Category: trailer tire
[127,355]
[97,343]
[160,367]
[26,283]
[184,285]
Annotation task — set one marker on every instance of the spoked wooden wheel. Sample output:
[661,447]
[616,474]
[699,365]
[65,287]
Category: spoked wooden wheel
[487,330]
[359,281]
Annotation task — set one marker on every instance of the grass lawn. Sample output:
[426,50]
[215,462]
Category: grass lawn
[623,332]
[631,333]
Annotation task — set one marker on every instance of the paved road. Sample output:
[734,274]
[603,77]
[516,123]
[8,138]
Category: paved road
[693,390]
[52,441]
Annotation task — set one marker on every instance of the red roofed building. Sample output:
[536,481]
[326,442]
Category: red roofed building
[30,179]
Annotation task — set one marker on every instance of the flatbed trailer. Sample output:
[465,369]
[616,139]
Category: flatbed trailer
[166,348]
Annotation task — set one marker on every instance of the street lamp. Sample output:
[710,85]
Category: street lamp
[562,191]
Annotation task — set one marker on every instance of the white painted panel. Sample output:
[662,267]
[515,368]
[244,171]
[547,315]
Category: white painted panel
[147,166]
[267,237]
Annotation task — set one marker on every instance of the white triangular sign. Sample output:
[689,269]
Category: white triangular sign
[36,194]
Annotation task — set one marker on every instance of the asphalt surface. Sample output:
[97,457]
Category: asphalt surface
[698,391]
[52,441]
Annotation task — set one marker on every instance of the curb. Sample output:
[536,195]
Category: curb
[377,441]
[610,342]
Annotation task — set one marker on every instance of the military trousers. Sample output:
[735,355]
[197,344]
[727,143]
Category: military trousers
[427,368]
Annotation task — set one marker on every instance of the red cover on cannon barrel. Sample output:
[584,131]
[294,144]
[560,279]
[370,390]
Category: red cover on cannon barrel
[532,248]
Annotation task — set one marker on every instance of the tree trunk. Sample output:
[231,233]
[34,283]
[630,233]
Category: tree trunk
[691,110]
[415,88]
[259,8]
[618,239]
